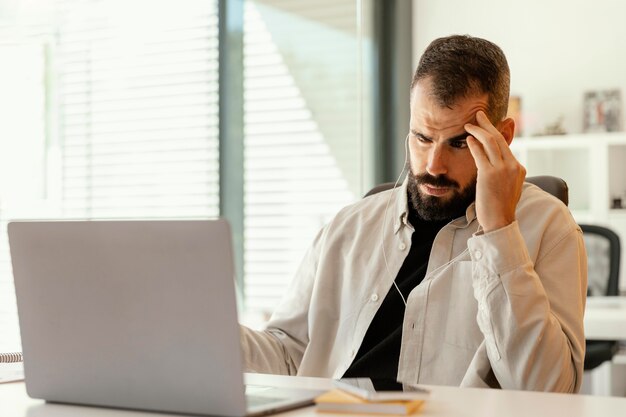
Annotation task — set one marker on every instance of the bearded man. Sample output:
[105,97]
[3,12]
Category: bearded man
[464,275]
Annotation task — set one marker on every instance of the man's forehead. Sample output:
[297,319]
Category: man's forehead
[424,118]
[427,113]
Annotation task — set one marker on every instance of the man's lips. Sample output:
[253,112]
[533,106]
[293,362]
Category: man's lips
[435,191]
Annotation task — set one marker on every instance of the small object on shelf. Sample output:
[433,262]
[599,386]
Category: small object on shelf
[616,203]
[555,128]
[602,111]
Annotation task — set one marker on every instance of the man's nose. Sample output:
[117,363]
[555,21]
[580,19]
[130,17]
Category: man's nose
[437,161]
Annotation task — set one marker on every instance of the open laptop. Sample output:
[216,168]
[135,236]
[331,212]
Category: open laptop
[134,314]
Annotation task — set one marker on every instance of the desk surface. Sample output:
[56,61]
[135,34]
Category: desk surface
[605,318]
[444,401]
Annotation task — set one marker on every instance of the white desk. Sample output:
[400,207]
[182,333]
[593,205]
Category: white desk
[605,318]
[444,401]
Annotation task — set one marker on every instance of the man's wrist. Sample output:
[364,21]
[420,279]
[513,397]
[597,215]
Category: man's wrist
[501,250]
[493,226]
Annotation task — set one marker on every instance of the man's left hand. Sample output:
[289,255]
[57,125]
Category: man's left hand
[500,176]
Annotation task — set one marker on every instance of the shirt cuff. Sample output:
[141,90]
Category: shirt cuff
[499,251]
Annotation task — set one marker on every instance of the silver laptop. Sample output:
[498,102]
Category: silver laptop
[134,314]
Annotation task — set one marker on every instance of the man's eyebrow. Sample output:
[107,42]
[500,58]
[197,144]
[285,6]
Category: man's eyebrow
[457,138]
[462,136]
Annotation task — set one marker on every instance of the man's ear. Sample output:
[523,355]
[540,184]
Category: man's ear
[507,128]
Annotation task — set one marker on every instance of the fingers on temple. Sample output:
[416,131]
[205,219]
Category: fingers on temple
[484,122]
[478,153]
[486,139]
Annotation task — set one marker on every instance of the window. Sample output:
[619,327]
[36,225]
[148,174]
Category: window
[110,110]
[124,123]
[138,92]
[24,41]
[21,154]
[303,149]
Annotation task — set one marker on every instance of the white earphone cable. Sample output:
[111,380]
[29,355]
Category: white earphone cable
[406,161]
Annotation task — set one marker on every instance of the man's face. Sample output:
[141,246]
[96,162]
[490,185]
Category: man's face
[442,176]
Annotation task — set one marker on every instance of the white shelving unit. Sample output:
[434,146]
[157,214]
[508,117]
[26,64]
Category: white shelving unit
[594,167]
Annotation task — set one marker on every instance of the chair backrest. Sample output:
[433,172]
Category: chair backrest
[603,259]
[378,188]
[553,185]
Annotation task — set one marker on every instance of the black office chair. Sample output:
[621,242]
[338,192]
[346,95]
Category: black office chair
[603,263]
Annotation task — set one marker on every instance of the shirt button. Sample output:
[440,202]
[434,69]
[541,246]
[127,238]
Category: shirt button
[402,246]
[374,298]
[353,353]
[478,254]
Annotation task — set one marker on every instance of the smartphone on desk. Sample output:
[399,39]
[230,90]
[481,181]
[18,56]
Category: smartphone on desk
[381,389]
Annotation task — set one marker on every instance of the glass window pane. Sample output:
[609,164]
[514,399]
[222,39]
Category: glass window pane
[109,110]
[303,148]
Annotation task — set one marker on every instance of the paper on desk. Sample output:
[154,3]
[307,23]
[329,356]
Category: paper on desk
[11,372]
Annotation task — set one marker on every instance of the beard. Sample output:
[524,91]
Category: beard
[433,208]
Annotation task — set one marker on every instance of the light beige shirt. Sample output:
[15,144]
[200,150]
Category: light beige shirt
[501,309]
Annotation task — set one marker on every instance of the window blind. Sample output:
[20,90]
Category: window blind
[129,92]
[139,110]
[301,145]
[25,32]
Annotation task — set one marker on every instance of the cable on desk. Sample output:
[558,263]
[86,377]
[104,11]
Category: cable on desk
[11,357]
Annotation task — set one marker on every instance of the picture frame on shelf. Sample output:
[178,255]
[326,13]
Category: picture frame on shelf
[602,111]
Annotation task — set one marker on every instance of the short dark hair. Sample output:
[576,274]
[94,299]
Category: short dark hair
[460,66]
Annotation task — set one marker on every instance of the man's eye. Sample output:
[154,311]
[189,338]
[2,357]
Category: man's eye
[422,139]
[460,144]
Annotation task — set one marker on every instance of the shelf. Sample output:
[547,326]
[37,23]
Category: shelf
[594,167]
[617,214]
[577,139]
[552,142]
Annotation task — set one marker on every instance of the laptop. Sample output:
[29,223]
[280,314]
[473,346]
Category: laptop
[134,314]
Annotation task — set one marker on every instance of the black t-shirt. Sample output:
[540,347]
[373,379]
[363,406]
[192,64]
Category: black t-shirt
[379,353]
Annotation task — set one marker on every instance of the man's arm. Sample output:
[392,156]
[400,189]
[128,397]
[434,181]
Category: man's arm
[531,314]
[264,353]
[279,348]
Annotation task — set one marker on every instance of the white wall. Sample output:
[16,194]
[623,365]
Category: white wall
[557,49]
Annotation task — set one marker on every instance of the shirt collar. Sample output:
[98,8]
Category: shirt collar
[401,208]
[470,216]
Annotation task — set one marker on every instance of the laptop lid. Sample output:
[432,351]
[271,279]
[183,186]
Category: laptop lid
[132,314]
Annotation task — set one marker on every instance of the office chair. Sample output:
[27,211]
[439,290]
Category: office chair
[603,263]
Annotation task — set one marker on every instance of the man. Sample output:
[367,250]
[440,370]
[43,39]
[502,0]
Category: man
[465,275]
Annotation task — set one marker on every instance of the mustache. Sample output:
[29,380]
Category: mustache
[435,181]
